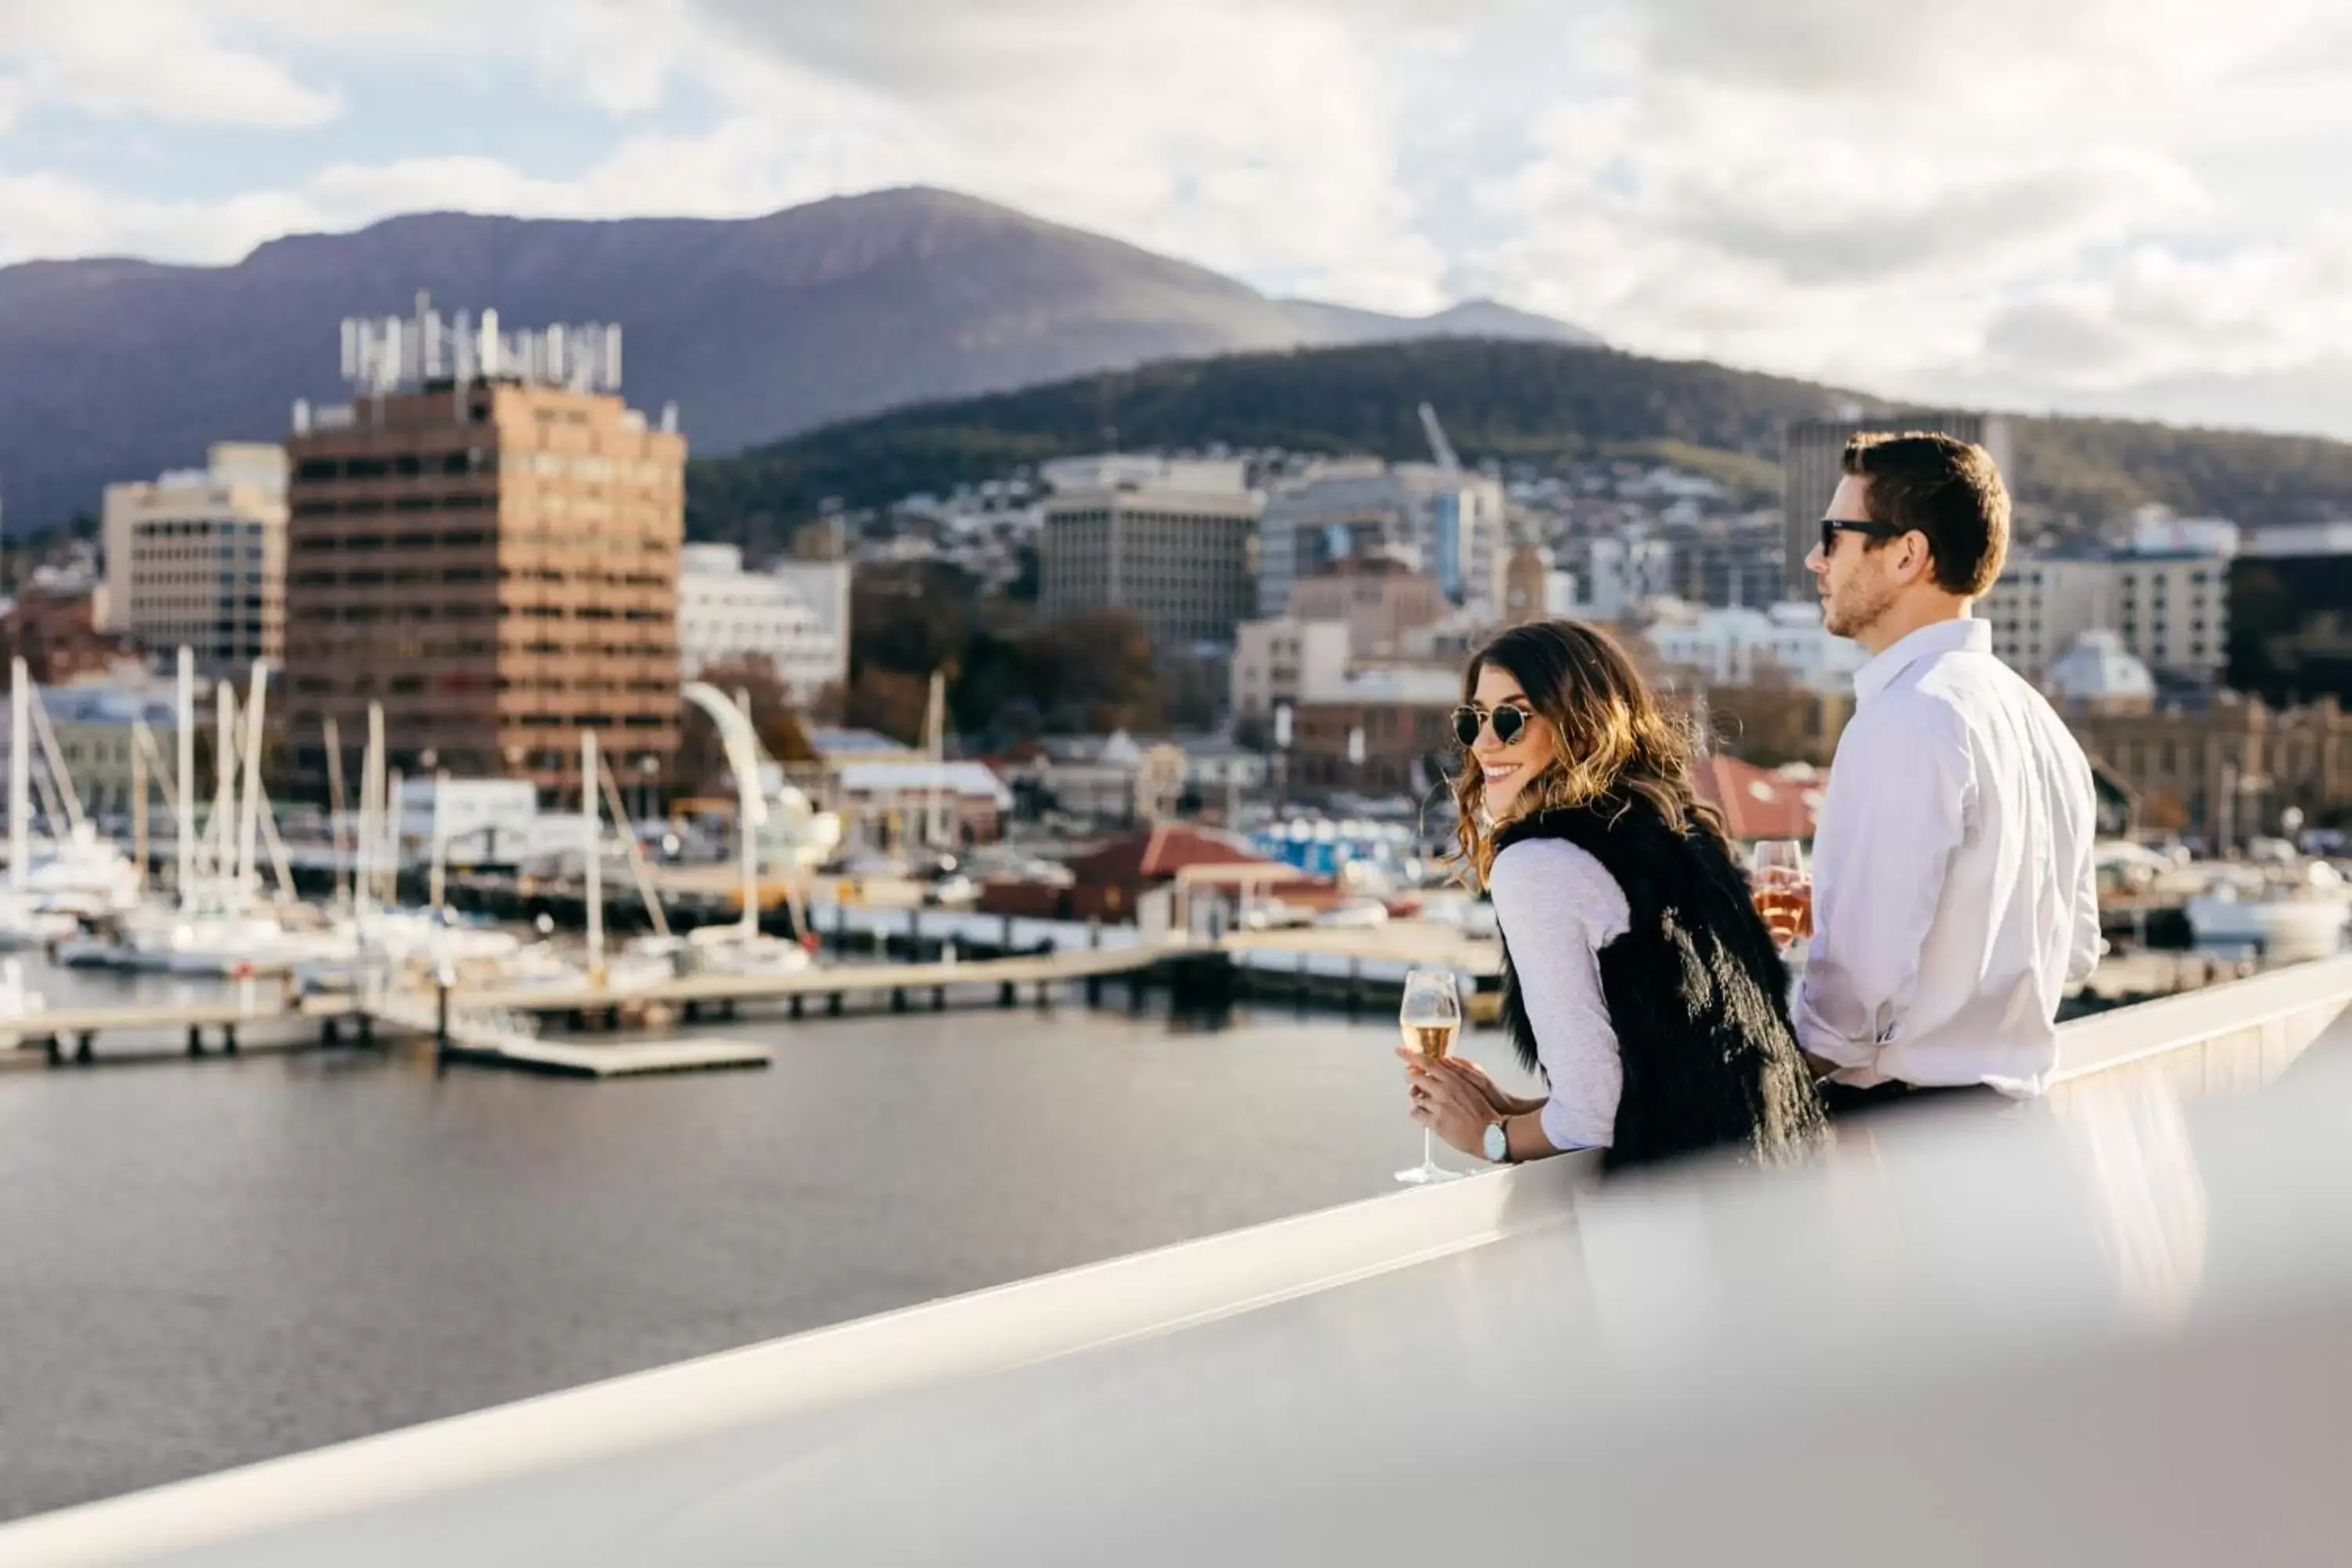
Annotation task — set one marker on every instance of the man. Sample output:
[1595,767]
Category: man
[1954,898]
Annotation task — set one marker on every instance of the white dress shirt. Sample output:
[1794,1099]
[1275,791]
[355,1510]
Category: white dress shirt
[1558,906]
[1953,893]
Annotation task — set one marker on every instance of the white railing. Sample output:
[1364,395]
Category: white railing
[2231,1036]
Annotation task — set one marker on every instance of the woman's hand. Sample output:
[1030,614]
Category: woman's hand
[1453,1105]
[1501,1104]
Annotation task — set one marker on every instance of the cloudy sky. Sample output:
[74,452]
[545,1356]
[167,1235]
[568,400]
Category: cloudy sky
[2127,204]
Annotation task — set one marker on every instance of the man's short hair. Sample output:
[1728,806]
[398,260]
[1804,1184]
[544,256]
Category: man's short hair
[1949,491]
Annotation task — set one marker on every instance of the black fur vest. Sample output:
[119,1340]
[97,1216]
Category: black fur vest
[1697,993]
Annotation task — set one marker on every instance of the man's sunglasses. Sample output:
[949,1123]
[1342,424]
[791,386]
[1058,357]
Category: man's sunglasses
[1833,526]
[1505,721]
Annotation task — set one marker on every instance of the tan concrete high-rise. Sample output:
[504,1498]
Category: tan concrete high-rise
[197,558]
[495,562]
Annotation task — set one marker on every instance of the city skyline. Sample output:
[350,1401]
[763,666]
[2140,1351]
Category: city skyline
[2087,206]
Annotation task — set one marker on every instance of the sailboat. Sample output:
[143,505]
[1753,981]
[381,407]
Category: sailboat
[76,874]
[218,924]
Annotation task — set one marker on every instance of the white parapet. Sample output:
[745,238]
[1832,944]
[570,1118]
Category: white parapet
[2100,1328]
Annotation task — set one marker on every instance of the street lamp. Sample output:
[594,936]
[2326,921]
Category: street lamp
[647,766]
[1281,759]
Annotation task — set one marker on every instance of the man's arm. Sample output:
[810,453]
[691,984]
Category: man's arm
[2083,952]
[1899,799]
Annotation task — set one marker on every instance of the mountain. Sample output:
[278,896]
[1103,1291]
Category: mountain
[1337,324]
[1497,399]
[758,327]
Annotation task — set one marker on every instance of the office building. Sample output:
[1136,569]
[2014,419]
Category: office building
[2170,610]
[1811,464]
[1622,573]
[1723,567]
[486,542]
[726,615]
[1172,550]
[2288,591]
[1451,525]
[197,557]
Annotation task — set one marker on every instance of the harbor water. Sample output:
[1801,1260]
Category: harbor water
[210,1262]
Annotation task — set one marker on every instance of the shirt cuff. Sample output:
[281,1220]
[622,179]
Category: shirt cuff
[1568,1131]
[1818,1039]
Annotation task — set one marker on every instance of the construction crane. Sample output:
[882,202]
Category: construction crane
[1439,447]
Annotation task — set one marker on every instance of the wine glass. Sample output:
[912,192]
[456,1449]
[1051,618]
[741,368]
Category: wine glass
[1783,890]
[1431,1019]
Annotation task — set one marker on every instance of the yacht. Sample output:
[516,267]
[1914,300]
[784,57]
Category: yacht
[2291,913]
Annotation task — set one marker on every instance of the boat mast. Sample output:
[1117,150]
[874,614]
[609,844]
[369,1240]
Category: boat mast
[224,788]
[248,864]
[595,878]
[184,808]
[20,777]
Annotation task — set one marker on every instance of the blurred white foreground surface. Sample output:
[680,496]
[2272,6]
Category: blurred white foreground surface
[2114,1327]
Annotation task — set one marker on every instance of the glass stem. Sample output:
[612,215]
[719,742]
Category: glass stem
[1428,1148]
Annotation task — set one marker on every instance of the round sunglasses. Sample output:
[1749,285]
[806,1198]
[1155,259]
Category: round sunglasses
[1505,721]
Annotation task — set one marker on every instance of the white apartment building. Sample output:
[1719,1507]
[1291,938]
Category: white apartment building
[1281,660]
[1738,646]
[2171,609]
[1623,574]
[198,556]
[1450,524]
[796,616]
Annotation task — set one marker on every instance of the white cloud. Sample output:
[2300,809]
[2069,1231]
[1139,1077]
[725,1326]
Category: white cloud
[122,59]
[2082,199]
[45,215]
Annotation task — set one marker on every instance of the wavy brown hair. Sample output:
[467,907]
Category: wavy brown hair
[1613,741]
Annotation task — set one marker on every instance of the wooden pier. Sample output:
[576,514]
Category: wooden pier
[617,1058]
[1038,973]
[63,1032]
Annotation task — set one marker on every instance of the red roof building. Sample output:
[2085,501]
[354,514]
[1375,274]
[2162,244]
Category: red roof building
[1761,803]
[1112,879]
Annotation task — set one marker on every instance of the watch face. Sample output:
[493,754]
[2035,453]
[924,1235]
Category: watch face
[1497,1142]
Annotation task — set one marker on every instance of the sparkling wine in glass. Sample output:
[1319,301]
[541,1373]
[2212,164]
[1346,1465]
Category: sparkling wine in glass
[1430,1018]
[1783,890]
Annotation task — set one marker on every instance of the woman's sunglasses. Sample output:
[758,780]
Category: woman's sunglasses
[1505,721]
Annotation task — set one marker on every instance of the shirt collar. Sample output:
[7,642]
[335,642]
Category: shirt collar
[1965,635]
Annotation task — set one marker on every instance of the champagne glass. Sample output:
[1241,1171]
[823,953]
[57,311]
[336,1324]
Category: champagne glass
[1783,890]
[1430,1018]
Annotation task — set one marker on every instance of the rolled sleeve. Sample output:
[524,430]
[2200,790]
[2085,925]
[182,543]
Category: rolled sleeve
[1558,906]
[1897,811]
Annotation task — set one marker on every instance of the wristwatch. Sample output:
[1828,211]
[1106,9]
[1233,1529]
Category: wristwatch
[1497,1144]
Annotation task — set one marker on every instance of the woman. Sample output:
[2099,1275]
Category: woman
[1637,976]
